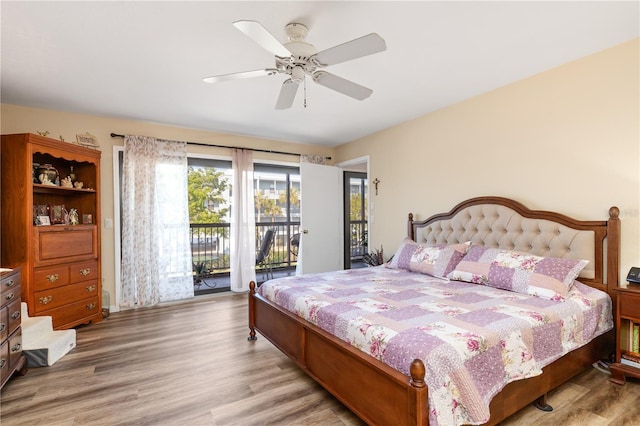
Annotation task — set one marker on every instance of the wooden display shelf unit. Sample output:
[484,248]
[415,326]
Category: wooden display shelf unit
[62,262]
[627,312]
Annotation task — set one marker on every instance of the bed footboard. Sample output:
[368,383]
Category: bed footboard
[374,391]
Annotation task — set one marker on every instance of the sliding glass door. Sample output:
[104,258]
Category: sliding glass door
[355,218]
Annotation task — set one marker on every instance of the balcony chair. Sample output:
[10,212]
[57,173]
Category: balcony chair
[295,244]
[262,256]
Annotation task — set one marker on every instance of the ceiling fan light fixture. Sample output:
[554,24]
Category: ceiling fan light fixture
[297,74]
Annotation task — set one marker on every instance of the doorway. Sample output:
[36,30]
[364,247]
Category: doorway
[356,194]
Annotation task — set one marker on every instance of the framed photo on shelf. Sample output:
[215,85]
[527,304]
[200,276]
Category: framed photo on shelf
[43,221]
[87,219]
[57,214]
[41,210]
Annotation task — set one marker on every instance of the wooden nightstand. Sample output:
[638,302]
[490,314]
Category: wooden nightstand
[627,312]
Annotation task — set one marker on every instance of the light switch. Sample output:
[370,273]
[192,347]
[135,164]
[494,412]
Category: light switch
[108,223]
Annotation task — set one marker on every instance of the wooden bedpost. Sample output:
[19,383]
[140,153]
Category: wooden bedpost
[410,227]
[613,255]
[418,394]
[613,248]
[417,372]
[252,312]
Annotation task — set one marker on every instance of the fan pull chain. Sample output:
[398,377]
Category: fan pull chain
[304,81]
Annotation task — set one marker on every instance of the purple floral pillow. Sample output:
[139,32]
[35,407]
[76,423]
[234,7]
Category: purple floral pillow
[435,260]
[546,277]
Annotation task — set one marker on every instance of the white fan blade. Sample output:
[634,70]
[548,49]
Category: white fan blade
[341,85]
[363,46]
[263,37]
[239,75]
[287,94]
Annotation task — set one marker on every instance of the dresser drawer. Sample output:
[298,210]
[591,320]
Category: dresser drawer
[83,271]
[10,295]
[8,283]
[75,313]
[4,323]
[63,244]
[15,348]
[629,305]
[46,278]
[60,296]
[4,361]
[13,310]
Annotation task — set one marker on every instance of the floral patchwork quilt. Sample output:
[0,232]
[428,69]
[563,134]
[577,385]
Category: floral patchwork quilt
[473,339]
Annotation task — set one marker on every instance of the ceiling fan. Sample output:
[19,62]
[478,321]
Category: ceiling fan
[298,59]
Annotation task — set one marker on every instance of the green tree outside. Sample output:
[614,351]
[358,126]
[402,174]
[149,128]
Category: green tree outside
[206,187]
[266,206]
[294,198]
[355,210]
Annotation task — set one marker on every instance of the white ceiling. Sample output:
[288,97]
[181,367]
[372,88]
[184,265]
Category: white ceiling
[146,60]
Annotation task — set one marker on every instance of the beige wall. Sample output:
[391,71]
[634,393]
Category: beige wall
[16,119]
[566,140]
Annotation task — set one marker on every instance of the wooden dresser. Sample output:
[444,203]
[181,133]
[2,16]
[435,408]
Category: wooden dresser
[62,275]
[11,357]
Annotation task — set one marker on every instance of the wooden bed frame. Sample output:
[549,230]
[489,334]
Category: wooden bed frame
[381,395]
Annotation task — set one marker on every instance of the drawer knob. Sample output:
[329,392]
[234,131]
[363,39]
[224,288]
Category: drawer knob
[91,288]
[90,306]
[16,348]
[15,315]
[2,326]
[85,271]
[9,283]
[53,278]
[3,362]
[10,296]
[45,299]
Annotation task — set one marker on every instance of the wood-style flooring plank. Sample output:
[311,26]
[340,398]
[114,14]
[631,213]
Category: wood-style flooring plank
[189,363]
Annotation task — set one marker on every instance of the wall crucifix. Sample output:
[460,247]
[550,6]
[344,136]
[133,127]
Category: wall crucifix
[376,181]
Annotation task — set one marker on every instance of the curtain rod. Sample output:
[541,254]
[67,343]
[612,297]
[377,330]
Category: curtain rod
[115,135]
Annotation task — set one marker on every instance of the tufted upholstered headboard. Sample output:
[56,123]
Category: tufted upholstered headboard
[504,223]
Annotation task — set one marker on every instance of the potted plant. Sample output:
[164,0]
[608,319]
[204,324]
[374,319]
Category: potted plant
[374,258]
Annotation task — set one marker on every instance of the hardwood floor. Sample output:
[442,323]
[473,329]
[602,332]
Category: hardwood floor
[190,363]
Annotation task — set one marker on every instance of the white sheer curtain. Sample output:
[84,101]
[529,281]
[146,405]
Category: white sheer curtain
[243,222]
[156,256]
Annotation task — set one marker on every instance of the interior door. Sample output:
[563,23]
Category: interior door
[321,220]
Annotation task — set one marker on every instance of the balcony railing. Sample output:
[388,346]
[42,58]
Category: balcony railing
[358,232]
[210,245]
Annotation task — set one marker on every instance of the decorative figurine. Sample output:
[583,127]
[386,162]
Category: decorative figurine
[78,184]
[44,179]
[73,217]
[66,182]
[50,171]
